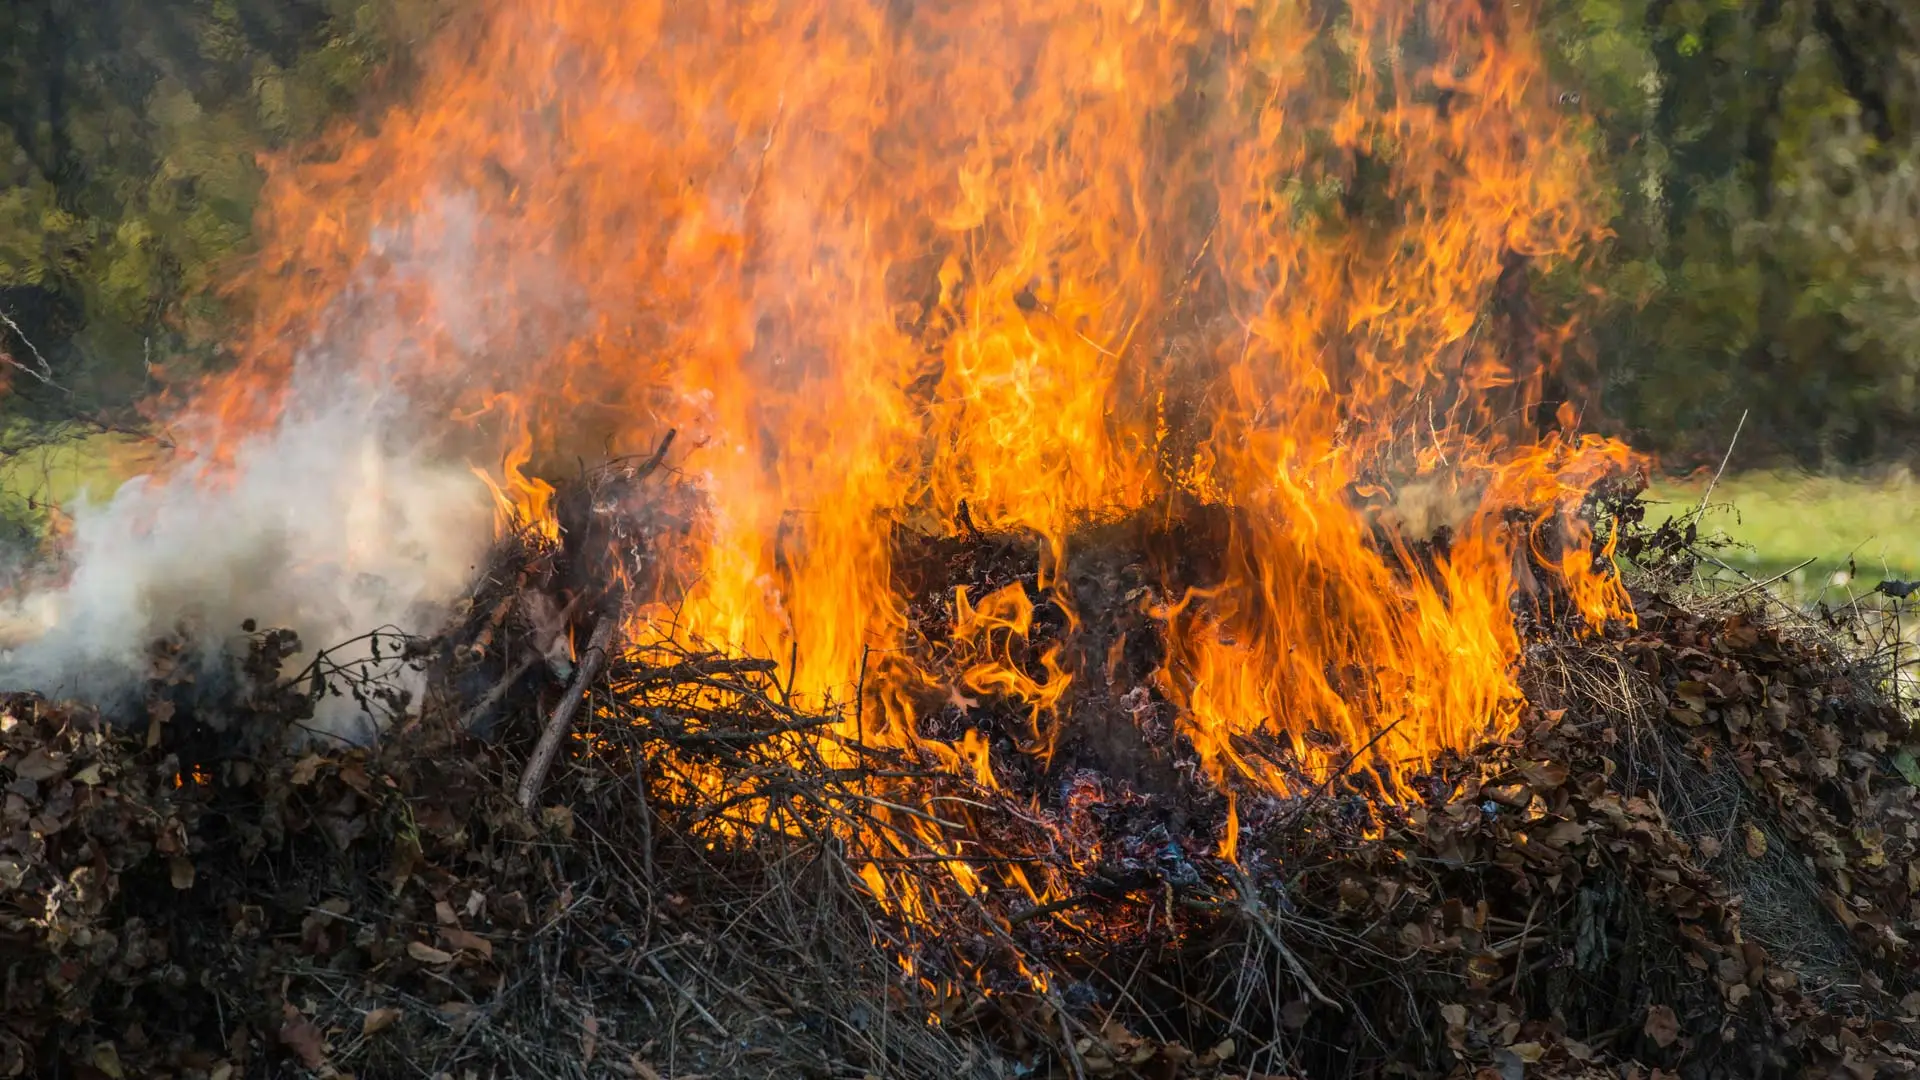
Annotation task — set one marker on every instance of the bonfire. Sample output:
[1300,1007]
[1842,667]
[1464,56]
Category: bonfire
[1027,539]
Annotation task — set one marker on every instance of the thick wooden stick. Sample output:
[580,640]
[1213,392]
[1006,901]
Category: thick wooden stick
[548,749]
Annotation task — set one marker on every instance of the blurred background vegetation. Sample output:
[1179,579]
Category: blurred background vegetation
[128,136]
[1761,154]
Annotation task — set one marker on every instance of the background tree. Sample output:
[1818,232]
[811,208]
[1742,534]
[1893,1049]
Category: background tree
[128,136]
[1762,160]
[1767,250]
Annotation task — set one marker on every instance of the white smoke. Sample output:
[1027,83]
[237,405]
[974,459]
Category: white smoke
[325,527]
[343,517]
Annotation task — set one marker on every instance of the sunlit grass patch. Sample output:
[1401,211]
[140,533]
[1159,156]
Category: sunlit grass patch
[61,473]
[1822,533]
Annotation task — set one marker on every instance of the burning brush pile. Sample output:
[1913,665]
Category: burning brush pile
[1693,855]
[1029,538]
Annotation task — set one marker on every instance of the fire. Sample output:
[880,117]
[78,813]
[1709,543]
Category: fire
[1013,265]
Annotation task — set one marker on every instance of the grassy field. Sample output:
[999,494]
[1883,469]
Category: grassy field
[1780,521]
[60,473]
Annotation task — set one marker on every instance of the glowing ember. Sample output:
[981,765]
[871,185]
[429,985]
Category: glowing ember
[1005,266]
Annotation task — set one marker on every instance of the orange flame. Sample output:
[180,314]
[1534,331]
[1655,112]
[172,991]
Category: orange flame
[1065,260]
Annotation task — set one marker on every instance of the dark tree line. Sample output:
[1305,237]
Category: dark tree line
[1762,160]
[1767,250]
[128,135]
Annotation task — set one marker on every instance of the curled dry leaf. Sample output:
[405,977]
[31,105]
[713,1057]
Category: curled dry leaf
[1544,775]
[303,1037]
[427,954]
[1529,1052]
[39,766]
[378,1020]
[1662,1026]
[467,941]
[306,769]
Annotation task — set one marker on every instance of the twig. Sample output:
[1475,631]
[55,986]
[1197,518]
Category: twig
[1362,752]
[1021,917]
[472,717]
[687,995]
[1723,462]
[1250,906]
[1745,589]
[549,746]
[45,372]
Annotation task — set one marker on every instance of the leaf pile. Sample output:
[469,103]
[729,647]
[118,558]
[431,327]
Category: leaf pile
[1697,859]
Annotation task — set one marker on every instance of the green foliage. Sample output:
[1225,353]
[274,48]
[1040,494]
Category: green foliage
[1767,249]
[129,131]
[1763,173]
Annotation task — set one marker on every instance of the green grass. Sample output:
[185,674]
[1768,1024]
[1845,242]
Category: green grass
[1779,521]
[60,473]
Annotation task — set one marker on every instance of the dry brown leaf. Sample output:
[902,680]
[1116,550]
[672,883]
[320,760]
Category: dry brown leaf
[467,940]
[1686,716]
[1692,694]
[427,954]
[1564,834]
[378,1020]
[1544,775]
[1662,1026]
[39,766]
[405,860]
[303,1037]
[305,770]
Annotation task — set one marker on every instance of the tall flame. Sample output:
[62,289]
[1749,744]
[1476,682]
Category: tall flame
[1055,260]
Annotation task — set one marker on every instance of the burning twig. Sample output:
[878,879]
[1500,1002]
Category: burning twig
[556,733]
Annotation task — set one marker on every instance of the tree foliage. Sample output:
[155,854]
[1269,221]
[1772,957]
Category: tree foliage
[1762,161]
[1766,258]
[128,136]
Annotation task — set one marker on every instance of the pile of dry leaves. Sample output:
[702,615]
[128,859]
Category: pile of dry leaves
[1696,859]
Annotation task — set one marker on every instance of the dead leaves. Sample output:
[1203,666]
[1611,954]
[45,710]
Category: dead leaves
[427,954]
[1662,1026]
[38,765]
[303,1037]
[467,941]
[378,1020]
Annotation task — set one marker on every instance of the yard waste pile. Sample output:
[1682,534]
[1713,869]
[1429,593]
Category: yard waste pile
[1694,857]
